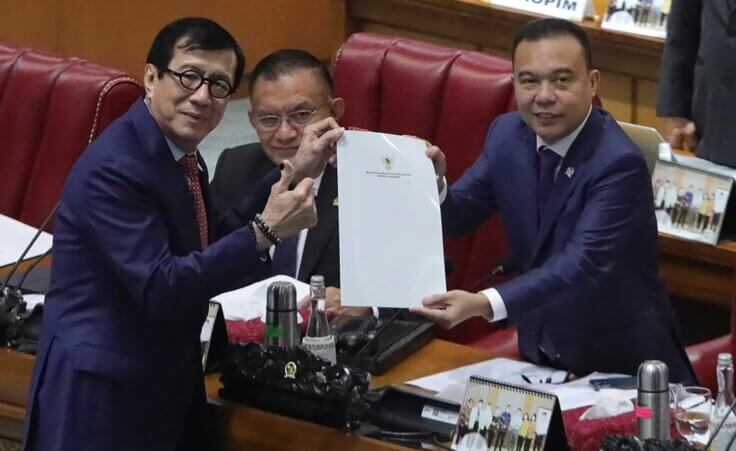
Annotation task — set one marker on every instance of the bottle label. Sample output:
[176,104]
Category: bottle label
[643,412]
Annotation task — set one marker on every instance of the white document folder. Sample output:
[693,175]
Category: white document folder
[391,251]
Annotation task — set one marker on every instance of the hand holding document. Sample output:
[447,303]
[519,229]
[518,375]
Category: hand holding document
[391,251]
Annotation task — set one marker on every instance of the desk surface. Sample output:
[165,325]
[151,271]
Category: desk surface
[248,428]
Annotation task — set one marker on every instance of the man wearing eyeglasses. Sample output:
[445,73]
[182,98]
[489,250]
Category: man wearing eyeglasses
[140,248]
[697,79]
[289,89]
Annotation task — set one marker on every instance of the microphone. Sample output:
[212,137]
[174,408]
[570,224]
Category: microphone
[504,265]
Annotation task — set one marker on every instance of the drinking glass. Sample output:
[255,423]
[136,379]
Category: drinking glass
[693,409]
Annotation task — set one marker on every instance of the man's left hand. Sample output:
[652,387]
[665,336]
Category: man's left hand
[316,148]
[452,308]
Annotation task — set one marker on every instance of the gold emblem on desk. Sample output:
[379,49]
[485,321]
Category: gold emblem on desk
[290,370]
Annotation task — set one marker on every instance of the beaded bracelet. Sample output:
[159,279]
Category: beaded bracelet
[265,229]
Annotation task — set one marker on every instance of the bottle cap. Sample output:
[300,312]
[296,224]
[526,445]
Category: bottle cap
[724,358]
[317,280]
[281,296]
[653,376]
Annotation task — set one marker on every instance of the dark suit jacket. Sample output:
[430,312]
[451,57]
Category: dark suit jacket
[697,77]
[118,364]
[589,297]
[238,174]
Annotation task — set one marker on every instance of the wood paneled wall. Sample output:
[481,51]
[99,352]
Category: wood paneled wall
[118,34]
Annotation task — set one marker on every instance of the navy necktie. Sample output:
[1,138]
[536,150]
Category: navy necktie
[284,256]
[548,162]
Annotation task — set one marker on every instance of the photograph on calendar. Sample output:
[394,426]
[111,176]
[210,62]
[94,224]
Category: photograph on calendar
[690,203]
[498,417]
[645,17]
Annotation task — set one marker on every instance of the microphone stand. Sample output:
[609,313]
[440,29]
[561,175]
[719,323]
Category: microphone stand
[28,248]
[12,306]
[378,333]
[33,265]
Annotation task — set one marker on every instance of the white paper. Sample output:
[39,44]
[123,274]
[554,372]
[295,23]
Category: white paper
[15,236]
[33,300]
[249,302]
[450,385]
[391,251]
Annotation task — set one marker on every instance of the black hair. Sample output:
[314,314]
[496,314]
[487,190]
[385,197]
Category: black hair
[550,28]
[194,33]
[285,61]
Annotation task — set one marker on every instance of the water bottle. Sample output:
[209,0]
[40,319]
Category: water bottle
[653,401]
[319,339]
[724,372]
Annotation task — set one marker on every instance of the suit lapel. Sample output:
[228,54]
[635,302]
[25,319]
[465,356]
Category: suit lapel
[528,171]
[319,235]
[568,176]
[173,187]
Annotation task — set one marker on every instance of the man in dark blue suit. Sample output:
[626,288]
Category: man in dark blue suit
[139,249]
[576,202]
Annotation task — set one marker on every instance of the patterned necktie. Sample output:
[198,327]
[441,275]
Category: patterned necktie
[284,256]
[191,171]
[548,162]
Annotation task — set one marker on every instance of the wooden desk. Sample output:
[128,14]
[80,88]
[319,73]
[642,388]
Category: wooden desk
[242,427]
[629,63]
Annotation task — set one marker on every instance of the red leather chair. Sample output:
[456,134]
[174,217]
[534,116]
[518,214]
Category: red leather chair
[51,108]
[704,356]
[448,97]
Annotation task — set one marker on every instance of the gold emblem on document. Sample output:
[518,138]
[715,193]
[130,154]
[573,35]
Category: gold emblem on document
[388,163]
[290,370]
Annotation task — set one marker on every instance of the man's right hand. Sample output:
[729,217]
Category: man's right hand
[289,211]
[316,148]
[683,134]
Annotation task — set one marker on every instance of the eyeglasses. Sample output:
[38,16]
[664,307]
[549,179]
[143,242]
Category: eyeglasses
[192,80]
[297,119]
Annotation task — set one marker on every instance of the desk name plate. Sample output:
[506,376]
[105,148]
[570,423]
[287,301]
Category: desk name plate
[575,10]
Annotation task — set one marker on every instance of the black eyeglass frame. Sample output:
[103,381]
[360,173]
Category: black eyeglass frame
[211,82]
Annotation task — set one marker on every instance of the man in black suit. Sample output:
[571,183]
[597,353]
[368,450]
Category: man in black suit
[697,86]
[289,89]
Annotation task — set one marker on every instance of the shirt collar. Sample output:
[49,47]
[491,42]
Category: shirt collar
[317,183]
[178,154]
[563,145]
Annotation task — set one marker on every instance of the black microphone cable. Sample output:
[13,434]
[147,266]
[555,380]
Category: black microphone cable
[28,248]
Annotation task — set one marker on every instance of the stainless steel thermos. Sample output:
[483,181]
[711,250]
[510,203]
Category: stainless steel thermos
[281,321]
[653,401]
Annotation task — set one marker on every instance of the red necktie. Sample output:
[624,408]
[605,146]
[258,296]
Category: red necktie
[191,171]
